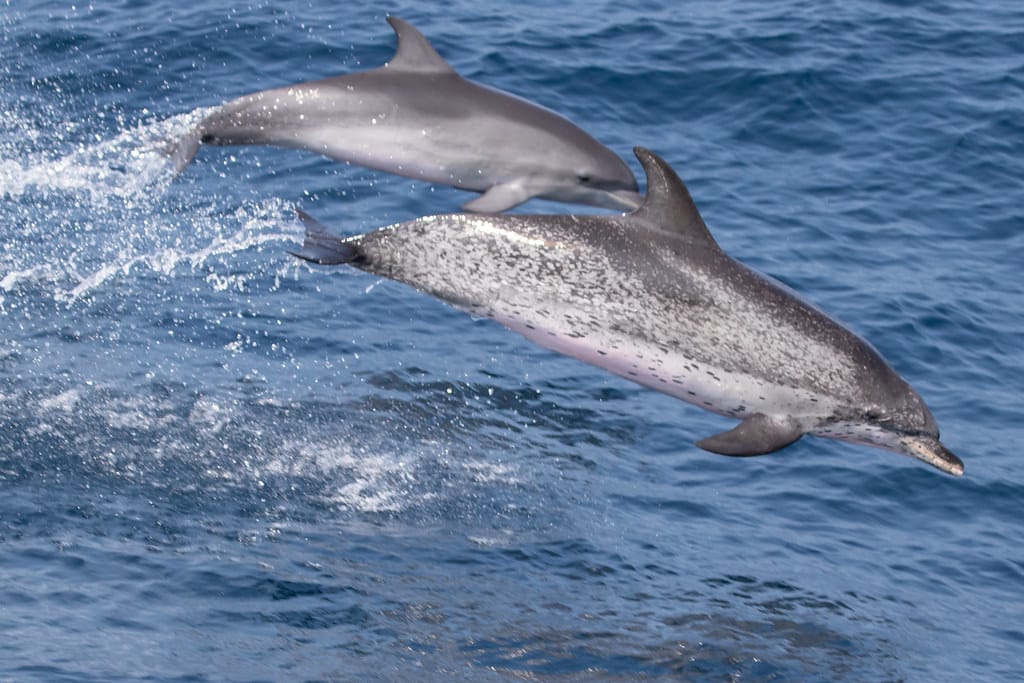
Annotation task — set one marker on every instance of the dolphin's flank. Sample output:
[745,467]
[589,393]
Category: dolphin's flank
[651,297]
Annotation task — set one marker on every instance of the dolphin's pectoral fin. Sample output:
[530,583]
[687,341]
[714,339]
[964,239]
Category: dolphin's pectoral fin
[756,435]
[320,246]
[498,198]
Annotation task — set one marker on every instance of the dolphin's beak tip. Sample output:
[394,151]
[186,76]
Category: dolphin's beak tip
[957,470]
[935,454]
[953,464]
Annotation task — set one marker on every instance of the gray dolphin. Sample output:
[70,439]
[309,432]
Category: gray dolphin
[416,117]
[651,297]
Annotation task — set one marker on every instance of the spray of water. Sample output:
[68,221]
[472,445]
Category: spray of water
[79,225]
[108,208]
[129,167]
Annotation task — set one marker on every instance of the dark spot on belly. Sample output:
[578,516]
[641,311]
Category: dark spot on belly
[708,403]
[530,327]
[602,353]
[631,373]
[692,393]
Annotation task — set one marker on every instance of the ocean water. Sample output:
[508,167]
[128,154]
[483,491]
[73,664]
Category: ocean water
[219,464]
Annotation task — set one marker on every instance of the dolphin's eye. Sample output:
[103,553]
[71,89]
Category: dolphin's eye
[583,178]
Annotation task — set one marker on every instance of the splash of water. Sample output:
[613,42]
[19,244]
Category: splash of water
[131,166]
[102,211]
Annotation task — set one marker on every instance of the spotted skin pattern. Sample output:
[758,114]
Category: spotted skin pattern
[650,296]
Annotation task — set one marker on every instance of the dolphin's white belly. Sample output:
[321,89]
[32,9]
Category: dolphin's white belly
[701,383]
[410,152]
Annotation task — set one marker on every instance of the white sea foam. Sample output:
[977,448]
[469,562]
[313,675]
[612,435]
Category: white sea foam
[383,479]
[141,413]
[374,481]
[64,401]
[210,415]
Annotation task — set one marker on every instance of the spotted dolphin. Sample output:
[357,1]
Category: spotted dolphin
[416,117]
[650,296]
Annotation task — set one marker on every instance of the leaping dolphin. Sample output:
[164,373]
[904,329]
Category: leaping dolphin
[650,296]
[416,117]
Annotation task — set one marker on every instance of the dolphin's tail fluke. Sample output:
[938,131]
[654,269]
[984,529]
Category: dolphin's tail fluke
[182,150]
[320,246]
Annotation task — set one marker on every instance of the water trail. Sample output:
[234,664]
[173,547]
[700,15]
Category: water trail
[254,219]
[132,165]
[75,221]
[253,225]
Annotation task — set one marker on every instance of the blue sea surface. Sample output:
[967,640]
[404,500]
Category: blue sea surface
[220,464]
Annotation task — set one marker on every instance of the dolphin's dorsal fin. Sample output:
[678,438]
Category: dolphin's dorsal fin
[414,53]
[668,204]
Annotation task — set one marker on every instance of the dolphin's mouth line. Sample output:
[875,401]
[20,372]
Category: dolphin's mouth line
[912,433]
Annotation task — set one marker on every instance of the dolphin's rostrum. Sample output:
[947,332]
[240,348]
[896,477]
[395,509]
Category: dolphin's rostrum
[651,297]
[416,117]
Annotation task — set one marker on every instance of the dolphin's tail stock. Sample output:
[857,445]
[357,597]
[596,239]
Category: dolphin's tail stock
[182,150]
[320,246]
